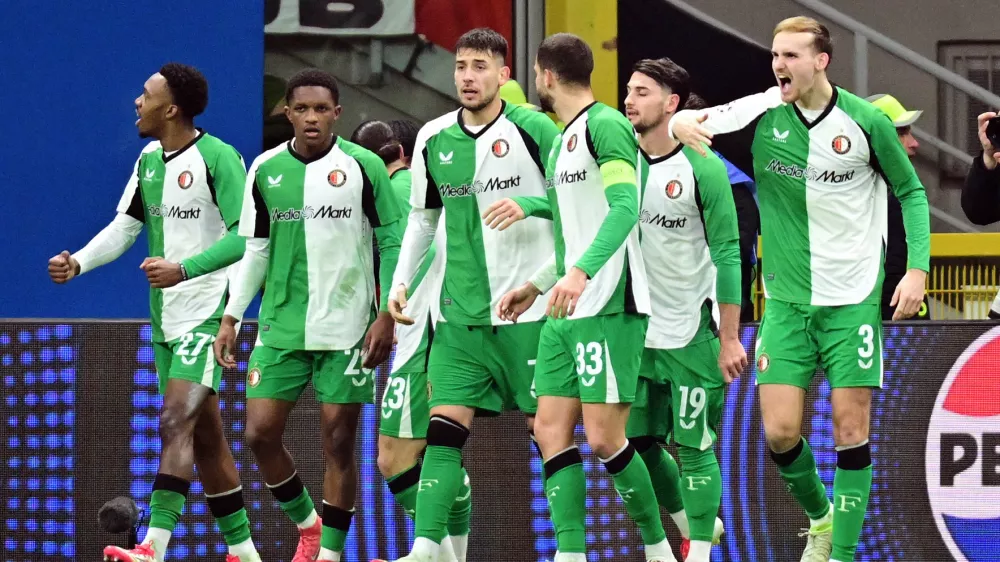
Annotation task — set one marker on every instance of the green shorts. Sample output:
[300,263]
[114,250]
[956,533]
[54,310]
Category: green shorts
[189,357]
[405,408]
[680,392]
[846,341]
[595,359]
[485,367]
[337,375]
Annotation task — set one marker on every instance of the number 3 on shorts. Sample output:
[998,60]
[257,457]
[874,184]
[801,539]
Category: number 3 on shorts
[590,361]
[867,348]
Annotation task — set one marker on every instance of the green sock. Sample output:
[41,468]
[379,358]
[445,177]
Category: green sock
[294,499]
[167,501]
[635,488]
[404,489]
[702,490]
[852,485]
[230,515]
[798,468]
[566,488]
[461,511]
[666,478]
[440,479]
[336,524]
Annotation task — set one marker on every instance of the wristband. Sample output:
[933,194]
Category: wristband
[184,273]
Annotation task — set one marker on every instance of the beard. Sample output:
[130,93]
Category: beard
[481,105]
[645,125]
[546,102]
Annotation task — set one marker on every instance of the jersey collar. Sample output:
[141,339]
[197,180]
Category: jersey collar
[398,171]
[320,156]
[582,111]
[176,153]
[829,107]
[651,161]
[461,121]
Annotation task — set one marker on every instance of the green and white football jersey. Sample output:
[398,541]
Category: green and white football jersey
[462,172]
[425,293]
[598,135]
[822,188]
[687,214]
[318,215]
[188,200]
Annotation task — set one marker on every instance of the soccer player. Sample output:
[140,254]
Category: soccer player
[463,162]
[308,212]
[822,160]
[690,246]
[590,348]
[405,414]
[186,187]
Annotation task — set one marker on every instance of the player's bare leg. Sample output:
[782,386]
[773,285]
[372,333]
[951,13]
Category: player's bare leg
[781,408]
[221,481]
[182,405]
[853,480]
[266,420]
[339,424]
[605,428]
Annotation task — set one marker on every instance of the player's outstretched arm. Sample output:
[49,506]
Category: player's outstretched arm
[505,212]
[107,246]
[891,158]
[514,303]
[715,195]
[696,127]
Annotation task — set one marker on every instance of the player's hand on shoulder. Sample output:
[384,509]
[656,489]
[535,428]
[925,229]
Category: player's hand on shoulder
[63,267]
[225,343]
[566,293]
[732,359]
[514,303]
[162,273]
[503,213]
[909,294]
[378,341]
[397,304]
[688,129]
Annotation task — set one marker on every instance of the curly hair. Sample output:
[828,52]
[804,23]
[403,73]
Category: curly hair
[188,88]
[312,77]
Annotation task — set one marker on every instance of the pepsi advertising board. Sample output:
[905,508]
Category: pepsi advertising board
[80,413]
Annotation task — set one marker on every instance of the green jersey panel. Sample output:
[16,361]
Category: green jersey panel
[318,215]
[687,211]
[187,200]
[462,170]
[576,192]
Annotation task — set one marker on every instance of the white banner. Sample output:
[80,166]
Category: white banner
[350,17]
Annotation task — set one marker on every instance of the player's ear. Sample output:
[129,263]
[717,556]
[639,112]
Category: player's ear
[823,61]
[172,111]
[673,103]
[504,74]
[337,110]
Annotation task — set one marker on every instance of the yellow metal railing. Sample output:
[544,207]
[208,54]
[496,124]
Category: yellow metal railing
[963,280]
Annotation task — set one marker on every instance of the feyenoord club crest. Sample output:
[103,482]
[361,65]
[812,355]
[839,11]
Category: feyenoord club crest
[763,362]
[500,148]
[841,144]
[253,377]
[186,179]
[674,189]
[337,178]
[571,143]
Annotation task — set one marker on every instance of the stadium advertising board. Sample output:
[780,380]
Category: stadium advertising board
[351,17]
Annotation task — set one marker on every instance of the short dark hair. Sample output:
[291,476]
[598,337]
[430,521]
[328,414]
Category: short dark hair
[377,137]
[188,87]
[312,77]
[695,102]
[483,39]
[405,132]
[568,56]
[668,74]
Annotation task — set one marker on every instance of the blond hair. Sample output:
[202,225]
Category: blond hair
[802,24]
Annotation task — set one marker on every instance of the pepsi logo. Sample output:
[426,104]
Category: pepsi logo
[963,453]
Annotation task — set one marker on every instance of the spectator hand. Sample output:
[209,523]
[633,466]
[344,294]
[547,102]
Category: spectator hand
[991,154]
